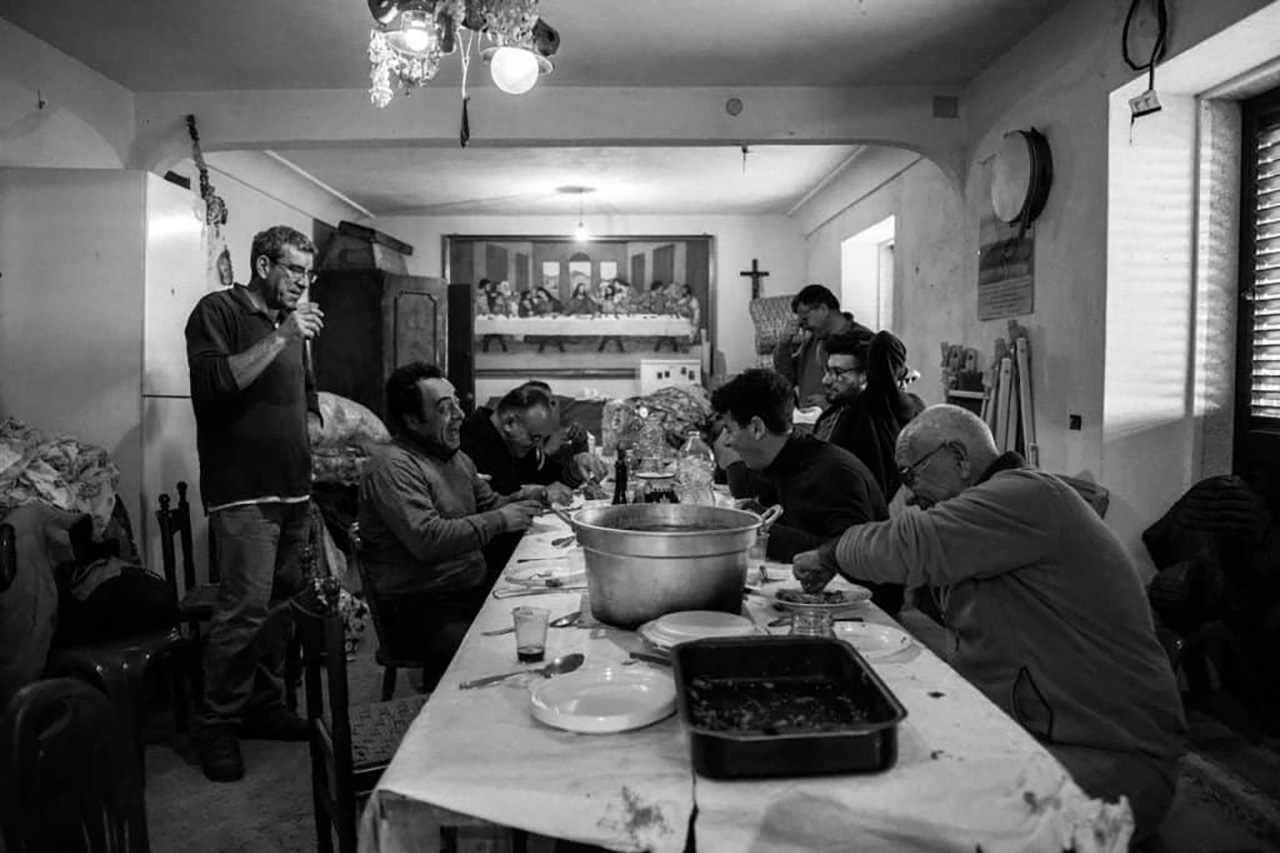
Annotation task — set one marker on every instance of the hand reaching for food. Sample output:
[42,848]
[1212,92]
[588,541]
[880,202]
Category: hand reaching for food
[808,568]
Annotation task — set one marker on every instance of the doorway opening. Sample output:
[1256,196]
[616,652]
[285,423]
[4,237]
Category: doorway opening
[866,274]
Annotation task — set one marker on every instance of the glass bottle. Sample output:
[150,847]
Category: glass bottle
[695,471]
[620,477]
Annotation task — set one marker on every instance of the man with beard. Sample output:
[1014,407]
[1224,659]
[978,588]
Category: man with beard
[252,390]
[425,518]
[802,359]
[843,381]
[867,372]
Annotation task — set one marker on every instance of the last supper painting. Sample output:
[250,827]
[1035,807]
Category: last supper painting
[595,308]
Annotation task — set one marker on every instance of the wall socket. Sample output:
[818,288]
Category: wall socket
[1075,422]
[1144,104]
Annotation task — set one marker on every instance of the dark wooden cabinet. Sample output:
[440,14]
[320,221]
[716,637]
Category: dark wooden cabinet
[375,321]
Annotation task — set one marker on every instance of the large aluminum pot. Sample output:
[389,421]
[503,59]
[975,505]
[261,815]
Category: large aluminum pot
[646,560]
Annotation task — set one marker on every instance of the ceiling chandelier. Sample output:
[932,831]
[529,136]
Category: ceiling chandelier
[413,36]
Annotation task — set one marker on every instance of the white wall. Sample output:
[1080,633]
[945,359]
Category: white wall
[56,112]
[774,240]
[929,241]
[71,309]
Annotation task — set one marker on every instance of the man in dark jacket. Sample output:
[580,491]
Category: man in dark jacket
[823,490]
[802,358]
[869,419]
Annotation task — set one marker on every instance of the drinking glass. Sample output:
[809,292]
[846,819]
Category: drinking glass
[531,633]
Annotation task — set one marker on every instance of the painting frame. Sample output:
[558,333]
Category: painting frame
[527,259]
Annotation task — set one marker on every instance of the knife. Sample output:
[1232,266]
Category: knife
[519,591]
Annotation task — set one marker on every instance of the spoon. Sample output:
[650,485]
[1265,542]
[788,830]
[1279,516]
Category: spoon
[562,664]
[566,621]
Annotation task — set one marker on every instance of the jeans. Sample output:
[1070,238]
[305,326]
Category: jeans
[259,550]
[429,627]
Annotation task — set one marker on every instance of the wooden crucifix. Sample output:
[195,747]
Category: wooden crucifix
[756,274]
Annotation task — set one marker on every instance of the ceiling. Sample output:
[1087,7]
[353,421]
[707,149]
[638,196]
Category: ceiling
[220,45]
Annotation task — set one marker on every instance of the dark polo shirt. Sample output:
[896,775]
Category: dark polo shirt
[252,442]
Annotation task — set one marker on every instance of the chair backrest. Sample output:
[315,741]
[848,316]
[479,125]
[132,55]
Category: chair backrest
[176,521]
[355,559]
[70,779]
[320,630]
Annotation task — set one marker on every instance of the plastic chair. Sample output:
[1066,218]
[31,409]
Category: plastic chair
[70,780]
[386,656]
[350,746]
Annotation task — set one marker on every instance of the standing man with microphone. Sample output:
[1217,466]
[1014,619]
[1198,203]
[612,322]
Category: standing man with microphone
[252,391]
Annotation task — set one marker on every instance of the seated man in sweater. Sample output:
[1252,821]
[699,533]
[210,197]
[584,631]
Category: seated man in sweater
[425,516]
[823,490]
[1047,611]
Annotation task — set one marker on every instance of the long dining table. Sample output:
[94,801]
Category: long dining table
[967,776]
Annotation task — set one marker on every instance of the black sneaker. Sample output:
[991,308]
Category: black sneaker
[275,723]
[222,761]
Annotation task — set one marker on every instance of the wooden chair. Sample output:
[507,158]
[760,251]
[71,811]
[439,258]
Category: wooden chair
[195,601]
[117,667]
[70,780]
[387,657]
[350,746]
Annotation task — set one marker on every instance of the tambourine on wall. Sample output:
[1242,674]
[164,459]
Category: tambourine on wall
[1021,174]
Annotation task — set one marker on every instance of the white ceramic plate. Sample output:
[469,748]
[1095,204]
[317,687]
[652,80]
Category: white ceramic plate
[665,631]
[873,641]
[852,595]
[605,700]
[538,572]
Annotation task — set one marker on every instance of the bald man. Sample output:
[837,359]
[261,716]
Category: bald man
[1048,615]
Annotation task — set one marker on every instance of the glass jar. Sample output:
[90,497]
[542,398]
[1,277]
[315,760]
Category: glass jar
[812,622]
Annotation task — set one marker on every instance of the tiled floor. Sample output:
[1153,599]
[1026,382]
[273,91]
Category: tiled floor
[1217,809]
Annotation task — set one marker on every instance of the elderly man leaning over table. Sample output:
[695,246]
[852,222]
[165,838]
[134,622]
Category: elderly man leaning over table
[425,516]
[1047,612]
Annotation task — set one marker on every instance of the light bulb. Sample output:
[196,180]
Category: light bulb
[416,34]
[581,234]
[514,69]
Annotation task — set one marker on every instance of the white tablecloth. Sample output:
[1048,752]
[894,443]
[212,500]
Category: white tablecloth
[634,325]
[966,776]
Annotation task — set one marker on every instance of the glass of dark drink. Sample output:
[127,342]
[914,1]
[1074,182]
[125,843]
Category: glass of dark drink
[531,633]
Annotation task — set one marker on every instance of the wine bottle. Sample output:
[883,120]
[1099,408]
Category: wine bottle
[620,478]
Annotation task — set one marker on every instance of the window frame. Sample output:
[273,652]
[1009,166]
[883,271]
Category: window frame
[1257,439]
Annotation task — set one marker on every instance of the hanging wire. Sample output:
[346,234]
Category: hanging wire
[1157,49]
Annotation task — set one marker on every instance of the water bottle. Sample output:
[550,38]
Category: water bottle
[695,471]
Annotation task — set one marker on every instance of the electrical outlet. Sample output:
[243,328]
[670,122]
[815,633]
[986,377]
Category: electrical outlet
[1144,104]
[1075,422]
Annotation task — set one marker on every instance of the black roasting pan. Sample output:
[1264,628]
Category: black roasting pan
[783,706]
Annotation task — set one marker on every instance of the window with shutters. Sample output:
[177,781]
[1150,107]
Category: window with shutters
[1258,361]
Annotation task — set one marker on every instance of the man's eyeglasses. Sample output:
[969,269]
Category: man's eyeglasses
[908,473]
[296,272]
[840,372]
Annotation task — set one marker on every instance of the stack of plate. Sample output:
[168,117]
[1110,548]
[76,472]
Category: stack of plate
[666,631]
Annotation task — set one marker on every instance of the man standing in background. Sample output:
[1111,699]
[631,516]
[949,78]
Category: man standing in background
[802,358]
[252,391]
